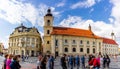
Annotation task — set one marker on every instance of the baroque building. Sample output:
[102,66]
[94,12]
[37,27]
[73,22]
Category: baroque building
[25,41]
[60,40]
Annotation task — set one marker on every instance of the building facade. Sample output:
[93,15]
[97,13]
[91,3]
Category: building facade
[119,51]
[110,47]
[60,40]
[25,41]
[1,47]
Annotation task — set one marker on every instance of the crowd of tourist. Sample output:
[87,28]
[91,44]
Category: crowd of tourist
[66,62]
[84,62]
[71,62]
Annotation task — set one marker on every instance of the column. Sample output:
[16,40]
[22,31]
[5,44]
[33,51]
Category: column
[60,45]
[78,43]
[70,45]
[53,44]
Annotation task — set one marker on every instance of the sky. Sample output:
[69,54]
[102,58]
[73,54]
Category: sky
[102,15]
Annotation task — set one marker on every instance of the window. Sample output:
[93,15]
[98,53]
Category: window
[56,42]
[93,42]
[81,49]
[99,43]
[48,22]
[48,31]
[93,50]
[33,39]
[87,42]
[66,49]
[81,42]
[66,41]
[48,42]
[74,49]
[88,50]
[73,41]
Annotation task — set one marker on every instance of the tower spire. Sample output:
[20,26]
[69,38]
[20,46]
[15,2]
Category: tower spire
[49,12]
[89,27]
[113,35]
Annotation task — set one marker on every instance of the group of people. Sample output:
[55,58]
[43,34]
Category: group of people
[45,62]
[66,61]
[90,62]
[11,62]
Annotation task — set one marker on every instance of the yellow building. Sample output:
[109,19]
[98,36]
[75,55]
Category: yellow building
[59,40]
[1,48]
[119,51]
[25,41]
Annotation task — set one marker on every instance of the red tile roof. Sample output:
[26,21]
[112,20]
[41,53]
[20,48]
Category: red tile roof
[73,32]
[109,41]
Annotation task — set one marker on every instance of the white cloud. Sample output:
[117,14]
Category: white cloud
[99,27]
[91,10]
[116,11]
[15,11]
[111,20]
[61,4]
[84,4]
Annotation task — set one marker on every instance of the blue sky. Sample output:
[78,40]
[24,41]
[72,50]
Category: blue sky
[103,15]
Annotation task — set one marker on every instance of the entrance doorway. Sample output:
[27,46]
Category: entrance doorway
[56,53]
[32,53]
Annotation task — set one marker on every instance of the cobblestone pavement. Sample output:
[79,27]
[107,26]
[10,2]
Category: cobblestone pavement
[31,63]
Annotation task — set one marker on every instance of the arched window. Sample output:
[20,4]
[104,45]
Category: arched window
[66,50]
[48,22]
[74,49]
[48,42]
[87,42]
[81,49]
[93,50]
[48,31]
[88,50]
[81,42]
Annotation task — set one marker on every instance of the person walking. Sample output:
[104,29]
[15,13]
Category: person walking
[83,61]
[77,60]
[4,62]
[8,61]
[107,61]
[63,61]
[104,61]
[43,63]
[52,62]
[39,61]
[49,62]
[15,63]
[71,61]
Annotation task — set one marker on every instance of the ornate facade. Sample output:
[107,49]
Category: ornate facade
[25,41]
[59,40]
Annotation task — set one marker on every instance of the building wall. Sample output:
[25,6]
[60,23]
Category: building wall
[74,42]
[23,43]
[119,51]
[110,49]
[1,47]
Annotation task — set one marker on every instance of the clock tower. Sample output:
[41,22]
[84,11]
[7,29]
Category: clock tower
[48,28]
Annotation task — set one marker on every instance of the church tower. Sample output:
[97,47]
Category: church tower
[48,27]
[113,35]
